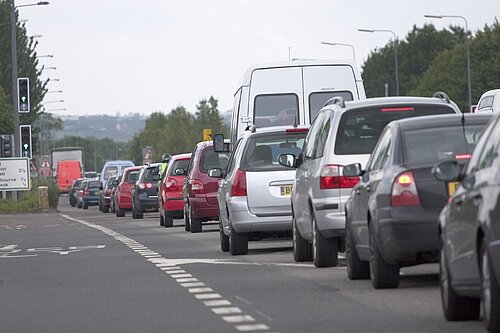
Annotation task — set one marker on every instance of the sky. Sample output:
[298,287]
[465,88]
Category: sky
[130,56]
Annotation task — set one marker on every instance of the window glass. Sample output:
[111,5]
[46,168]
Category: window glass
[180,164]
[276,110]
[313,133]
[110,171]
[432,145]
[481,144]
[211,160]
[94,184]
[486,102]
[230,165]
[148,174]
[322,136]
[381,153]
[491,150]
[359,129]
[262,151]
[133,176]
[110,180]
[318,99]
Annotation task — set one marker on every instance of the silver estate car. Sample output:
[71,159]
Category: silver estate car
[254,192]
[343,133]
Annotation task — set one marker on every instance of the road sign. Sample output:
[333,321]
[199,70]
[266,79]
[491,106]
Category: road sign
[14,174]
[207,134]
[45,170]
[147,154]
[23,91]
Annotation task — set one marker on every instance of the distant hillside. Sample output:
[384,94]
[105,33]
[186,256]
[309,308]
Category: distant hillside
[119,128]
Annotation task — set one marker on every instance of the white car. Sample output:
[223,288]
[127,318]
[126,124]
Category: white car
[254,192]
[489,102]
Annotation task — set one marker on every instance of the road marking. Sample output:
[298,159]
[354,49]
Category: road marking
[263,315]
[243,300]
[199,290]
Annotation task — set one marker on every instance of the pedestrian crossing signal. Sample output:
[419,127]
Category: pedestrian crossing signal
[25,132]
[23,94]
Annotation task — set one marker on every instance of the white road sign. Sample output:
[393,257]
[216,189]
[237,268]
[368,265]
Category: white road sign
[14,174]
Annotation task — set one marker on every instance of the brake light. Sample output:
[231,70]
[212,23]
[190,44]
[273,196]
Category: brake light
[197,186]
[171,185]
[297,130]
[463,156]
[239,188]
[330,178]
[396,109]
[142,185]
[404,191]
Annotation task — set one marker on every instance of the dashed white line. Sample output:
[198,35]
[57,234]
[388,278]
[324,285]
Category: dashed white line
[219,302]
[192,284]
[250,328]
[200,290]
[238,319]
[207,296]
[187,280]
[177,276]
[177,271]
[226,310]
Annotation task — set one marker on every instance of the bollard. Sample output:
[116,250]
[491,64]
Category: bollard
[43,197]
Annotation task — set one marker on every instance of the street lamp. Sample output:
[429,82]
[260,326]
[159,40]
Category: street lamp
[13,37]
[343,44]
[395,51]
[469,87]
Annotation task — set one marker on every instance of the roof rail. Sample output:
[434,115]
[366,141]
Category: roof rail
[441,95]
[336,100]
[252,128]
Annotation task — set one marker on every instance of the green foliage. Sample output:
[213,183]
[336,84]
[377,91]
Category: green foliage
[29,201]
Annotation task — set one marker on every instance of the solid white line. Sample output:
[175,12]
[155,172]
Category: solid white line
[200,290]
[243,300]
[218,302]
[226,310]
[192,284]
[207,296]
[176,276]
[187,280]
[238,319]
[249,328]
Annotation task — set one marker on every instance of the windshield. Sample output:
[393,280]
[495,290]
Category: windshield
[359,129]
[181,164]
[276,110]
[212,160]
[318,99]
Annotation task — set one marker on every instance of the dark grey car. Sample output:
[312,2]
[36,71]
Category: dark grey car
[469,228]
[392,213]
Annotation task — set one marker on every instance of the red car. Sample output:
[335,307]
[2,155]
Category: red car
[170,203]
[123,197]
[200,190]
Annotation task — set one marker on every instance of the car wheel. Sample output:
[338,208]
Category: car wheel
[302,249]
[100,206]
[383,274]
[79,205]
[325,250]
[119,212]
[194,223]
[187,223]
[168,221]
[455,307]
[139,214]
[224,240]
[356,268]
[162,220]
[490,292]
[105,209]
[85,205]
[238,243]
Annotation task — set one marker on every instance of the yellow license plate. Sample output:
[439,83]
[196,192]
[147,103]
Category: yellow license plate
[452,187]
[286,190]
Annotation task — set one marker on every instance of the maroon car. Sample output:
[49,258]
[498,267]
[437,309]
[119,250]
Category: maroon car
[200,191]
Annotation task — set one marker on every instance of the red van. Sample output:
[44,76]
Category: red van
[67,172]
[200,190]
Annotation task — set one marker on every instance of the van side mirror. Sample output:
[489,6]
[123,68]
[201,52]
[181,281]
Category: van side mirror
[215,173]
[219,145]
[352,170]
[287,160]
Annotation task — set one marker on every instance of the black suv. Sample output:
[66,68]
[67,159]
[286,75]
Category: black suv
[145,191]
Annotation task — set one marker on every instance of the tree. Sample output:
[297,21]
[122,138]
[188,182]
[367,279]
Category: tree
[208,116]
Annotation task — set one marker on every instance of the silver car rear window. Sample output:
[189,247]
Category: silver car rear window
[359,129]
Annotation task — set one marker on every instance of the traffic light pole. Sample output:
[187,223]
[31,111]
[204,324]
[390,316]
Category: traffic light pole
[15,105]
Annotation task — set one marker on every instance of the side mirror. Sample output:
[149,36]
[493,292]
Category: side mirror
[352,170]
[156,177]
[215,173]
[219,145]
[287,160]
[179,172]
[447,171]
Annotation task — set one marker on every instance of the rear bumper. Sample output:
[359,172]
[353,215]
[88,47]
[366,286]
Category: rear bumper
[174,204]
[330,216]
[201,209]
[148,203]
[243,221]
[91,200]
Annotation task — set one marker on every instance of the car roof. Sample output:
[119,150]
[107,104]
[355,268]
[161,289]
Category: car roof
[396,100]
[184,156]
[274,129]
[440,120]
[203,144]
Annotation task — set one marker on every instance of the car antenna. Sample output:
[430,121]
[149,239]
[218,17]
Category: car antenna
[295,125]
[462,120]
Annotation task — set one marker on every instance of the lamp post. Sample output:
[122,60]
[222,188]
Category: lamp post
[13,36]
[469,87]
[395,51]
[343,44]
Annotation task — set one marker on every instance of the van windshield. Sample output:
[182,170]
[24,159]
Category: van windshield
[359,129]
[318,99]
[276,110]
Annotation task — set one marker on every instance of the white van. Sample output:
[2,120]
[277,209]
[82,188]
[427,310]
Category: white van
[286,93]
[489,102]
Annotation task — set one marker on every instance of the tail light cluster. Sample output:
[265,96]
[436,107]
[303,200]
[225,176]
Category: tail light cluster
[197,186]
[404,191]
[144,185]
[331,178]
[171,185]
[239,187]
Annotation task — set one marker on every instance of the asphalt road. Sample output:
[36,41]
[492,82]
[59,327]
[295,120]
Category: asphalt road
[85,271]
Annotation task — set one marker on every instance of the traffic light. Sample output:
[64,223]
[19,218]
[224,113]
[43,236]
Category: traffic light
[6,148]
[25,132]
[23,94]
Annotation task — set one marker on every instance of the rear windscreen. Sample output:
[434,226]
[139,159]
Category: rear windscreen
[359,129]
[432,145]
[110,171]
[261,152]
[212,160]
[77,183]
[276,110]
[132,176]
[94,184]
[318,99]
[149,173]
[180,164]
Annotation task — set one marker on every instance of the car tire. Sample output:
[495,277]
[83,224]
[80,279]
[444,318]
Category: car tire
[383,275]
[162,220]
[105,209]
[194,223]
[79,205]
[224,240]
[139,214]
[187,223]
[238,242]
[356,268]
[168,220]
[490,292]
[119,212]
[325,250]
[454,306]
[85,205]
[100,206]
[302,249]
